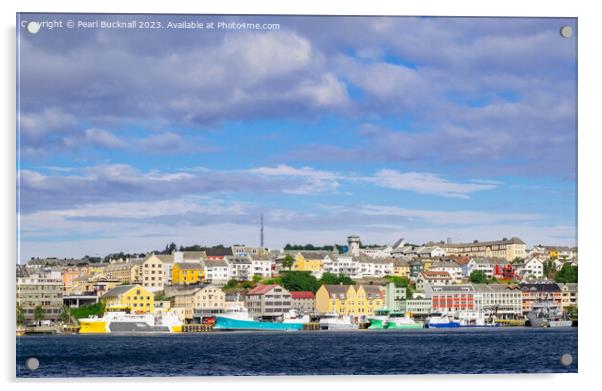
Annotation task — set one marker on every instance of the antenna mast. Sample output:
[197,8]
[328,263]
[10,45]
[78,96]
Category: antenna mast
[261,232]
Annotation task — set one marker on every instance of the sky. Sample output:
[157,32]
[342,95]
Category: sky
[384,127]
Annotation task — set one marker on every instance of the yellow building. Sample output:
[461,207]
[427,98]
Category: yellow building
[135,297]
[426,264]
[505,248]
[126,272]
[309,261]
[187,273]
[401,268]
[356,301]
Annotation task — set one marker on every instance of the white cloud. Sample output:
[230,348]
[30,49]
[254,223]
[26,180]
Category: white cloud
[427,183]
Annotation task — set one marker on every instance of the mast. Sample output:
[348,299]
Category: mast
[261,232]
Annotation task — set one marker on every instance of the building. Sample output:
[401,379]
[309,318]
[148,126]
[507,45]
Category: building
[540,291]
[452,268]
[394,297]
[505,248]
[68,275]
[433,278]
[126,272]
[569,296]
[240,268]
[430,252]
[187,273]
[153,272]
[451,298]
[218,253]
[533,268]
[401,267]
[416,267]
[187,256]
[353,245]
[40,289]
[483,265]
[242,251]
[268,301]
[136,298]
[505,300]
[418,308]
[357,302]
[310,261]
[343,264]
[303,301]
[262,265]
[208,300]
[374,267]
[216,271]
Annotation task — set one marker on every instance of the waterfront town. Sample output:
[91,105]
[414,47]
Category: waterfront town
[197,284]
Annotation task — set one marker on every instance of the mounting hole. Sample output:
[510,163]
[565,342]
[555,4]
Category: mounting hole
[566,359]
[33,27]
[566,31]
[32,363]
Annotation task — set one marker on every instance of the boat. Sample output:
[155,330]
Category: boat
[546,314]
[379,319]
[333,321]
[476,319]
[438,320]
[401,320]
[119,319]
[237,318]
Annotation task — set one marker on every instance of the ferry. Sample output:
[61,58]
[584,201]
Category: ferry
[237,318]
[546,314]
[379,319]
[118,319]
[401,320]
[439,320]
[333,321]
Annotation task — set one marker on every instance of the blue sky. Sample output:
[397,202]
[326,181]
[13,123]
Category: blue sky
[422,128]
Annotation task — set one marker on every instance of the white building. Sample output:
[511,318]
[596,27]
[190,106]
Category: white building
[240,268]
[503,299]
[374,267]
[451,267]
[481,264]
[261,265]
[216,271]
[533,267]
[430,252]
[342,264]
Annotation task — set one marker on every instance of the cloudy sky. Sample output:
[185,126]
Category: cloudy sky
[422,128]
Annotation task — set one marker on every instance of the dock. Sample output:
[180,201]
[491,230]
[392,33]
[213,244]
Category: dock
[511,322]
[197,328]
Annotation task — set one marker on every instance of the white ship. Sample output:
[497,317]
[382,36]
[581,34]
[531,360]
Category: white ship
[120,320]
[333,321]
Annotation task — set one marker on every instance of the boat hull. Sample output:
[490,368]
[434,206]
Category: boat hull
[377,324]
[223,323]
[394,326]
[450,325]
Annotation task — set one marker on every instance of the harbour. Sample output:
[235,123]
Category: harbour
[244,353]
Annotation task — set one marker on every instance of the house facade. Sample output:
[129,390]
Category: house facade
[268,301]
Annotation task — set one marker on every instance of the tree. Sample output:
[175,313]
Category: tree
[288,262]
[478,277]
[20,315]
[231,284]
[65,315]
[299,281]
[333,279]
[38,313]
[256,278]
[549,269]
[567,274]
[571,312]
[400,282]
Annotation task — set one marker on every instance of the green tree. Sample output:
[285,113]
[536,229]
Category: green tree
[299,281]
[247,284]
[549,269]
[567,274]
[571,312]
[287,262]
[232,283]
[65,315]
[38,313]
[333,279]
[400,282]
[256,278]
[20,315]
[478,277]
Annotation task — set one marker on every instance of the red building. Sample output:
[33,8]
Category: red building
[451,298]
[502,270]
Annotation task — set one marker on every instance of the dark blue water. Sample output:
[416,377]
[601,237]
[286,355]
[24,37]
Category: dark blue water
[502,350]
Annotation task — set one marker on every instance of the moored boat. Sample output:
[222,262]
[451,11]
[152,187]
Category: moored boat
[439,320]
[400,320]
[379,319]
[120,320]
[546,314]
[333,321]
[237,318]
